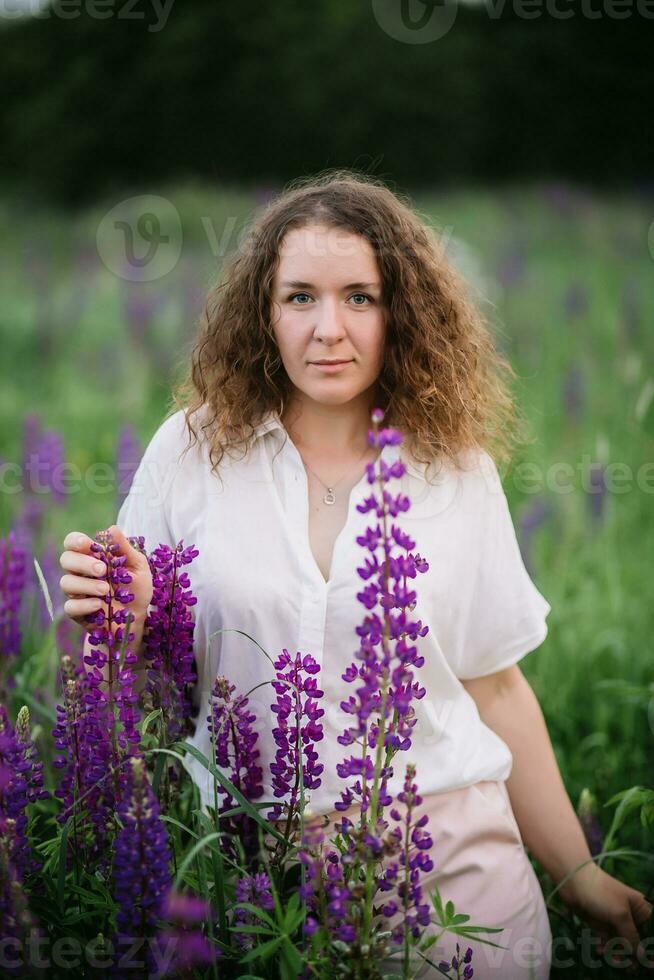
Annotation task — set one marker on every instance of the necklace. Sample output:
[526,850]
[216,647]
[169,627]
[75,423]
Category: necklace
[330,496]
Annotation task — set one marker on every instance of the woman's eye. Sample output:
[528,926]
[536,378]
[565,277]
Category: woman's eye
[364,295]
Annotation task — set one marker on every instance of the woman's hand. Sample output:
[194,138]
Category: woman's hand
[86,582]
[612,908]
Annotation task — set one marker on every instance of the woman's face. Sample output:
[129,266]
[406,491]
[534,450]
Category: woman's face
[327,304]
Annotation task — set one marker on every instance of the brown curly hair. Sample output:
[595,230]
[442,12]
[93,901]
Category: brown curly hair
[443,383]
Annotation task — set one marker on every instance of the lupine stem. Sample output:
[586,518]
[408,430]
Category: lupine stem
[367,907]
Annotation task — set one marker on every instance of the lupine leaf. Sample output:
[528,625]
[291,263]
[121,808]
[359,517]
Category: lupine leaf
[264,951]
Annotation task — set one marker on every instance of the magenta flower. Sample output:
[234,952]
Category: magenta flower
[51,459]
[412,861]
[457,962]
[21,783]
[12,585]
[16,919]
[182,938]
[168,640]
[382,719]
[296,699]
[231,727]
[86,788]
[387,687]
[255,890]
[597,490]
[587,813]
[118,656]
[128,456]
[141,866]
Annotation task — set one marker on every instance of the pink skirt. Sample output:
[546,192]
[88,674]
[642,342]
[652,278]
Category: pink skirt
[480,864]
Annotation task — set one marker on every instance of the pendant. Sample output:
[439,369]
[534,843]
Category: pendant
[329,497]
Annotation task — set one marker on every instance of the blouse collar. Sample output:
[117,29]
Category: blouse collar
[271,422]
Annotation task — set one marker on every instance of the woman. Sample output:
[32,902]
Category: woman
[340,269]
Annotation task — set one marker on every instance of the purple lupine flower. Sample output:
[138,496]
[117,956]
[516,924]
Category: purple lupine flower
[231,728]
[128,456]
[140,307]
[326,875]
[71,737]
[29,522]
[256,890]
[16,792]
[575,300]
[43,460]
[182,950]
[100,775]
[48,470]
[189,909]
[532,518]
[587,813]
[416,913]
[12,586]
[631,309]
[597,491]
[390,591]
[16,919]
[181,944]
[168,643]
[512,266]
[382,713]
[457,962]
[311,856]
[31,439]
[34,769]
[290,703]
[141,865]
[121,678]
[194,293]
[573,393]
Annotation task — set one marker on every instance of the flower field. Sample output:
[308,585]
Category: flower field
[109,867]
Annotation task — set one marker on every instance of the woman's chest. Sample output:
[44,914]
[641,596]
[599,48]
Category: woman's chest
[326,521]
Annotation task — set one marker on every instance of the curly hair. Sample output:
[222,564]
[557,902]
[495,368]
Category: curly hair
[443,382]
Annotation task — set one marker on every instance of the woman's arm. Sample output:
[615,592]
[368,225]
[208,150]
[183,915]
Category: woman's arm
[547,820]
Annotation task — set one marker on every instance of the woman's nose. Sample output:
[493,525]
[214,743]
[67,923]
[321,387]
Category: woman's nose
[330,318]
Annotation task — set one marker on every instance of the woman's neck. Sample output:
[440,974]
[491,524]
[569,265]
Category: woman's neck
[328,431]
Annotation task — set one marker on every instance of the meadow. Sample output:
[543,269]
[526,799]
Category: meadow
[565,277]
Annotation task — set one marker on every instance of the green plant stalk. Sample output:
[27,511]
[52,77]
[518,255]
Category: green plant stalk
[202,881]
[367,905]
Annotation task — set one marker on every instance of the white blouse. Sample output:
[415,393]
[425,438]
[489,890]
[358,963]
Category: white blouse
[256,580]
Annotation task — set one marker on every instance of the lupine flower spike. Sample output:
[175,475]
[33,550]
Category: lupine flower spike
[141,864]
[168,645]
[382,715]
[231,728]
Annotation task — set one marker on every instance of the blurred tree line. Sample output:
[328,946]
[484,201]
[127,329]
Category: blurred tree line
[260,92]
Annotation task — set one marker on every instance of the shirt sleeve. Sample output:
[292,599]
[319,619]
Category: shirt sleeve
[146,508]
[504,617]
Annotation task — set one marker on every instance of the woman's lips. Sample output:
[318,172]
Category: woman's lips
[331,368]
